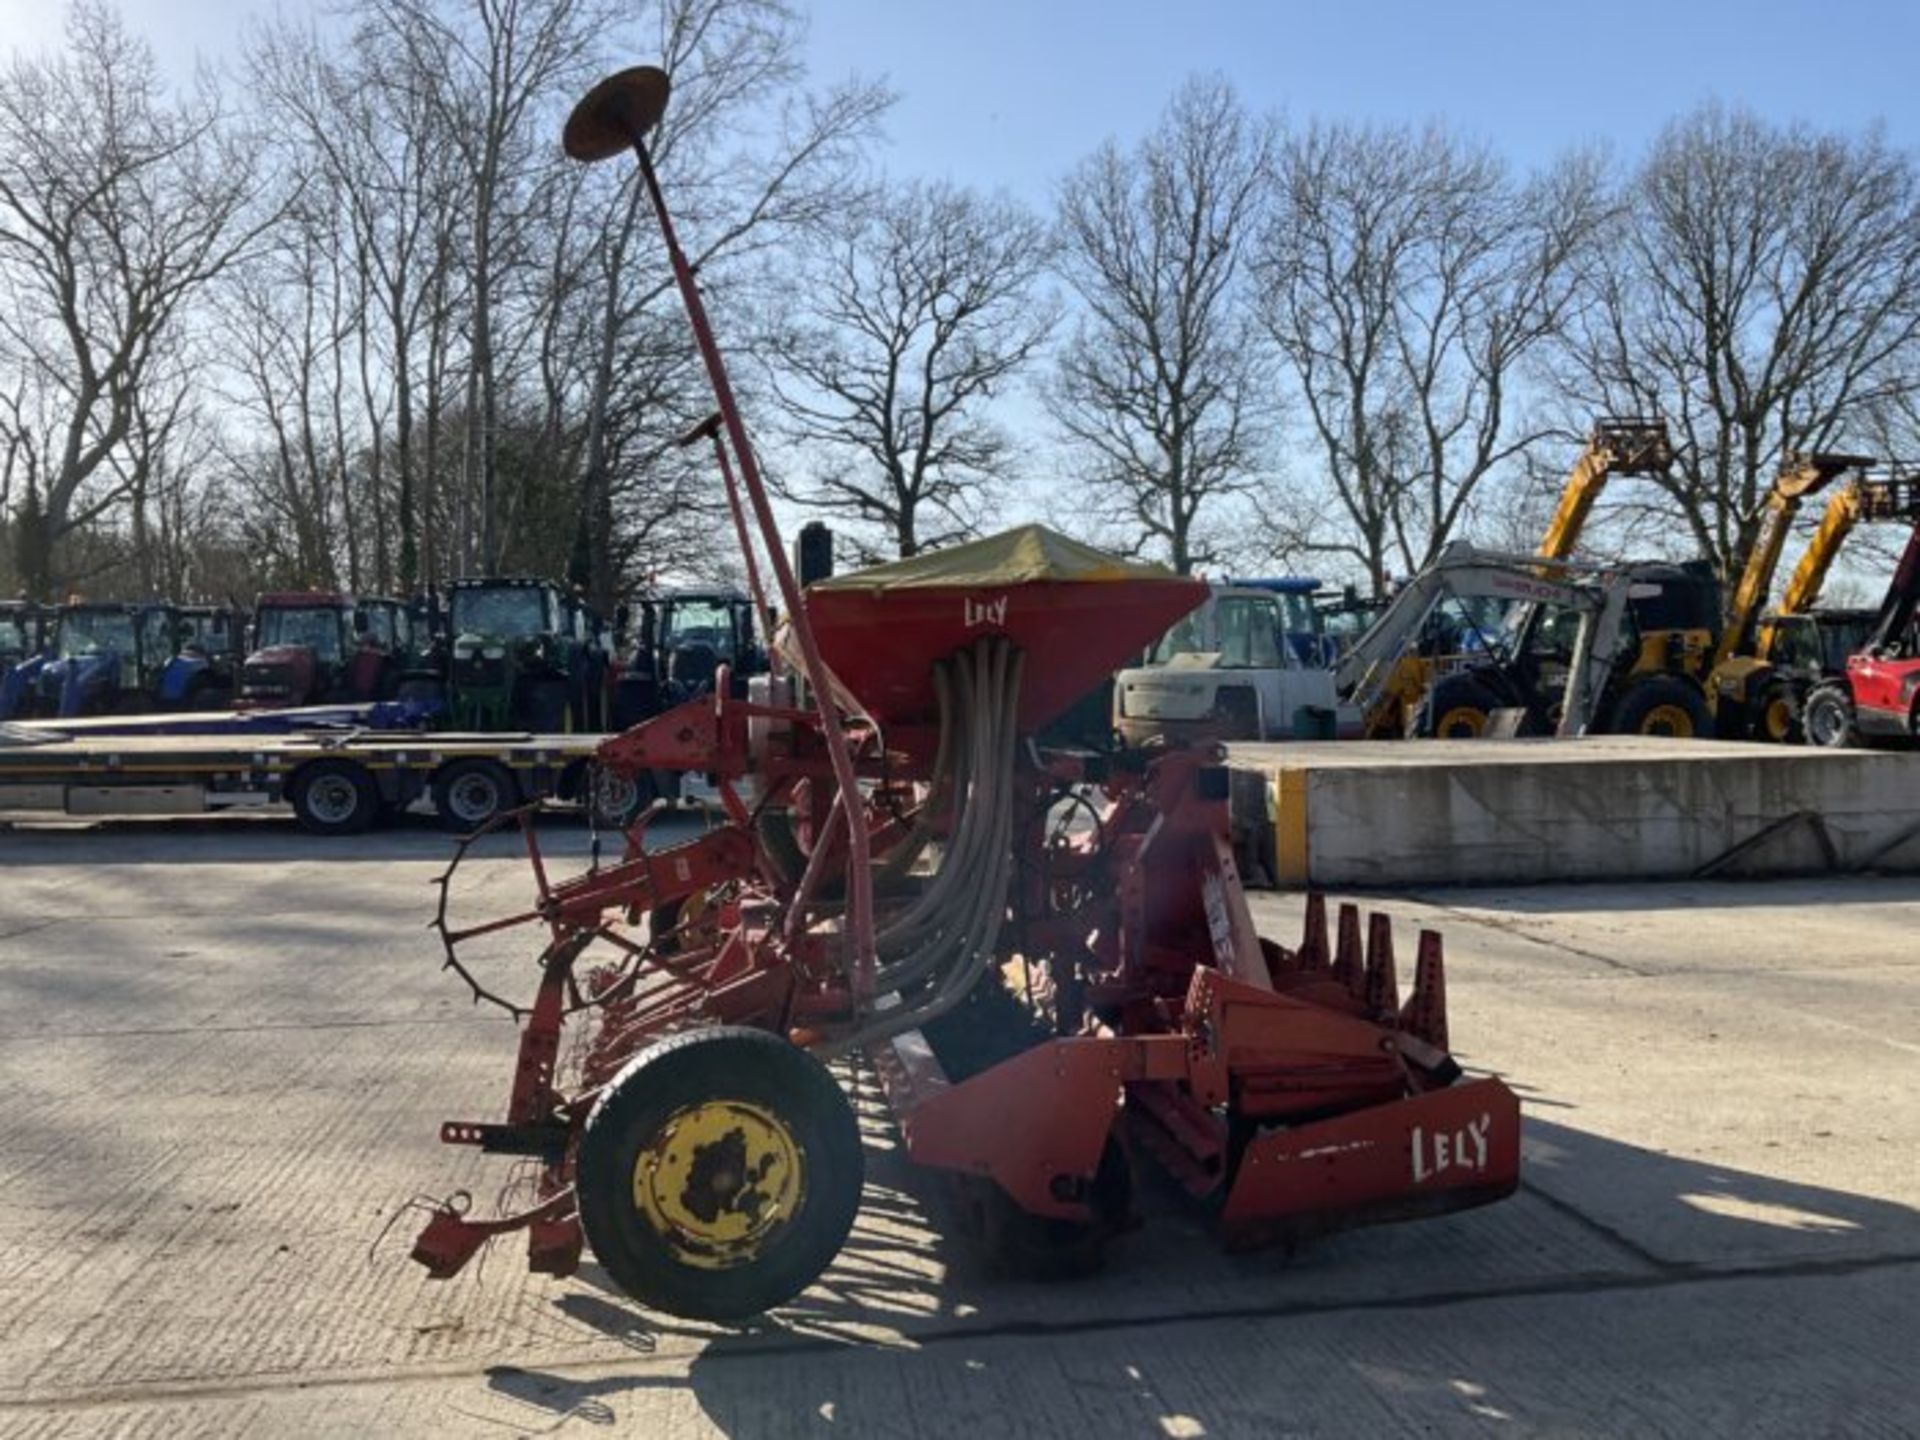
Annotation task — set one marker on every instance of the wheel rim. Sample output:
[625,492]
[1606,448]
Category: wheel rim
[1670,720]
[1823,723]
[1462,722]
[473,798]
[719,1182]
[332,799]
[1778,718]
[614,796]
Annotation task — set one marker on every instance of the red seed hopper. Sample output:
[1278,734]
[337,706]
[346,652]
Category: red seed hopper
[1076,613]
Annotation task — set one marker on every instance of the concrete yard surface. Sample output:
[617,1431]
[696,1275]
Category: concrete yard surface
[227,1047]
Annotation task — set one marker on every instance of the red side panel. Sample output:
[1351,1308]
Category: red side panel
[1444,1150]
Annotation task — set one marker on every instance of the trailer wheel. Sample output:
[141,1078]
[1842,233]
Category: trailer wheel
[614,800]
[1662,705]
[469,793]
[334,797]
[1829,719]
[719,1173]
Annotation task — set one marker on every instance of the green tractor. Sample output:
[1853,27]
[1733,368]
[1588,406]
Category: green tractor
[523,654]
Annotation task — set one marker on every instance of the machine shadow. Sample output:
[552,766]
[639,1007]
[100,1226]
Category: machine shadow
[908,1313]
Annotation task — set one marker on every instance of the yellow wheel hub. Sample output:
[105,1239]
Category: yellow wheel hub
[718,1181]
[1462,722]
[1668,720]
[1778,720]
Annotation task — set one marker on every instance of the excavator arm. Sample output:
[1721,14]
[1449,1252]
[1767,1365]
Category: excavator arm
[1369,674]
[1892,496]
[1799,477]
[1619,445]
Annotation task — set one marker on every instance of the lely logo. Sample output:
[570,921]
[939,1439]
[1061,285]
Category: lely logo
[1436,1152]
[985,612]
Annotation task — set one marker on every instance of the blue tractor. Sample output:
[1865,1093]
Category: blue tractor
[107,660]
[209,643]
[26,632]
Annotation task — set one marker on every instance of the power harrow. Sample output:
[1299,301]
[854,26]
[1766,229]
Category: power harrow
[895,842]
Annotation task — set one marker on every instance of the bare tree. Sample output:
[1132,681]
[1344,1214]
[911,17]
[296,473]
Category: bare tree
[913,314]
[1766,293]
[1159,391]
[1405,279]
[116,208]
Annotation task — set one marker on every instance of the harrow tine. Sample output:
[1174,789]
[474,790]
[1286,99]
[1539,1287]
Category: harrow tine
[1425,1013]
[1311,957]
[1348,965]
[1381,993]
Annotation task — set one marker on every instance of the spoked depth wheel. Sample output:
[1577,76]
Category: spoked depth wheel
[719,1173]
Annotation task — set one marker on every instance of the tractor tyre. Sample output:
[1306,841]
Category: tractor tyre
[1777,719]
[613,802]
[548,711]
[719,1173]
[469,793]
[334,797]
[1458,707]
[1662,705]
[1828,718]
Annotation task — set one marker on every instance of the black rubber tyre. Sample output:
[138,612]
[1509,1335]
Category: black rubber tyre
[1458,707]
[696,1083]
[547,712]
[1776,719]
[469,793]
[1662,705]
[613,801]
[1828,718]
[334,797]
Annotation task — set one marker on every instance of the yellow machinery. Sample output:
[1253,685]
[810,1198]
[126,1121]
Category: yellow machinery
[1743,687]
[1618,445]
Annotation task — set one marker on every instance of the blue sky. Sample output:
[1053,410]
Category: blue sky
[1011,92]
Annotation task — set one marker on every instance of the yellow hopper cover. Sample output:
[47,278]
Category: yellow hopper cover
[1014,557]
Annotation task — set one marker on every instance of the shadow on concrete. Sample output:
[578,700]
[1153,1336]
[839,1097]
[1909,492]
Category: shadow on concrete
[1605,896]
[264,838]
[890,1345]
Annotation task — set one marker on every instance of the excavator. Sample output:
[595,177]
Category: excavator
[1562,685]
[1460,633]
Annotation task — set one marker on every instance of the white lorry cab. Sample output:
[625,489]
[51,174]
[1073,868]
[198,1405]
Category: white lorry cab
[1240,667]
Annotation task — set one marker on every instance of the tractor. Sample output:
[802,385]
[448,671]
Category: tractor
[313,647]
[683,639]
[107,659]
[521,654]
[26,635]
[204,671]
[894,838]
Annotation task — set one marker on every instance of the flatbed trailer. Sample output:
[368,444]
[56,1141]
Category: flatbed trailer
[337,782]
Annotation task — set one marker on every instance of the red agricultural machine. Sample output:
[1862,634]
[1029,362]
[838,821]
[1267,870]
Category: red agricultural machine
[903,842]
